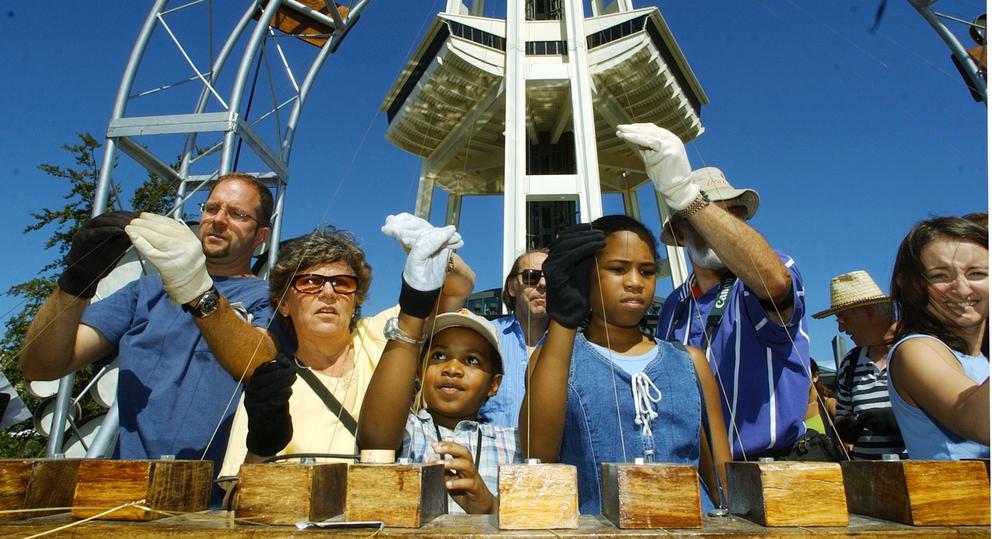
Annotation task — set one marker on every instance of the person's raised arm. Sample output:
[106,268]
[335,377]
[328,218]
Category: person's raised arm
[745,252]
[178,255]
[927,375]
[390,392]
[56,344]
[567,270]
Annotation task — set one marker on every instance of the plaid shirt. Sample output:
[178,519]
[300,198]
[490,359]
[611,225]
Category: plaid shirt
[500,445]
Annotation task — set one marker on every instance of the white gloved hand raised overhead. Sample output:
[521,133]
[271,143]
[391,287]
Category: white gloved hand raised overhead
[427,263]
[177,253]
[665,162]
[406,228]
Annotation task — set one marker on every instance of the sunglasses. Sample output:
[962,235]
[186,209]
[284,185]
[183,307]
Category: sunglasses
[530,277]
[311,283]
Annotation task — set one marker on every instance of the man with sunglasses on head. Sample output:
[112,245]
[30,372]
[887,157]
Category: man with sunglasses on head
[170,331]
[743,304]
[520,332]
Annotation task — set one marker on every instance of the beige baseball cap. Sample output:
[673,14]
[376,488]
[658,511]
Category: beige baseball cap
[464,318]
[712,182]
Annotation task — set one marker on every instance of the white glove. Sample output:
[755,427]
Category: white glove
[406,228]
[665,162]
[427,263]
[177,253]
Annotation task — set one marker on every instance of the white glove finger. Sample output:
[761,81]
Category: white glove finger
[643,142]
[455,242]
[164,239]
[143,247]
[433,241]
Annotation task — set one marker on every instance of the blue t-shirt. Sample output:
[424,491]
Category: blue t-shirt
[172,393]
[503,410]
[761,368]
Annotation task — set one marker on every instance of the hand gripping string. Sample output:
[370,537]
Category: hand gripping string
[646,395]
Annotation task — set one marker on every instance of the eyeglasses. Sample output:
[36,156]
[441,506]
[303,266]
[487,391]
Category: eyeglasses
[311,283]
[209,210]
[530,277]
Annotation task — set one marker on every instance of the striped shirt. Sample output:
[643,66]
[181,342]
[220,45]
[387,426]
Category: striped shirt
[500,445]
[761,367]
[869,391]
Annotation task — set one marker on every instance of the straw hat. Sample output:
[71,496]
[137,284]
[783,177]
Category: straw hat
[712,182]
[851,290]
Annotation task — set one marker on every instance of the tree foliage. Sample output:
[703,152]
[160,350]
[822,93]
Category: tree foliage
[80,173]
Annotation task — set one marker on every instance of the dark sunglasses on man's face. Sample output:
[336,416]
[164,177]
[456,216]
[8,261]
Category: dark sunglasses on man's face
[311,283]
[530,277]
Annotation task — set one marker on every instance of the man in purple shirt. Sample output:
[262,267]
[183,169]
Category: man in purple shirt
[743,304]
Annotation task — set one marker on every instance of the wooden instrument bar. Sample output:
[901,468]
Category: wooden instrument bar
[222,524]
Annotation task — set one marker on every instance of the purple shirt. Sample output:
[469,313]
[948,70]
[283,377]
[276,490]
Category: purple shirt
[761,368]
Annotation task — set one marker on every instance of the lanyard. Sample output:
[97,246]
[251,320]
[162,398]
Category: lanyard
[478,441]
[716,313]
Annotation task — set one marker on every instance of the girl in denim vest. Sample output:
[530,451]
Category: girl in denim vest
[609,393]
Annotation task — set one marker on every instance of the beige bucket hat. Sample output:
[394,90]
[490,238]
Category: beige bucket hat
[854,289]
[712,182]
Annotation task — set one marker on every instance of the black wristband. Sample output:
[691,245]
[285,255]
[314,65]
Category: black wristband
[417,302]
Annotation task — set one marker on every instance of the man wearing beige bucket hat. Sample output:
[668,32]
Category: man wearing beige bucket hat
[864,415]
[743,304]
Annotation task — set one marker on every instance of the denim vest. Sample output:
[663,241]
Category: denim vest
[592,433]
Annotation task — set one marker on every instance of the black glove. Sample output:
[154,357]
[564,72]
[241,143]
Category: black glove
[848,428]
[567,270]
[96,248]
[879,421]
[270,427]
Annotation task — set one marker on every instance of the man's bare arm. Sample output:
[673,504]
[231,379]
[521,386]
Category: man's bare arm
[56,343]
[238,346]
[748,255]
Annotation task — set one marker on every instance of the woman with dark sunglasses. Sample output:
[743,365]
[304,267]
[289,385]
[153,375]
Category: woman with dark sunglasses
[307,400]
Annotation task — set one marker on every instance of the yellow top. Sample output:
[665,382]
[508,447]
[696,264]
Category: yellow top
[315,428]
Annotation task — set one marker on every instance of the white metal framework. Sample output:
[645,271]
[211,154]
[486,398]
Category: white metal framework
[552,78]
[210,88]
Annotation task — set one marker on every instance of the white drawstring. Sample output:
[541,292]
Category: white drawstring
[645,395]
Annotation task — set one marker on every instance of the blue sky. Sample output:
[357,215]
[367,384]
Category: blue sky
[850,137]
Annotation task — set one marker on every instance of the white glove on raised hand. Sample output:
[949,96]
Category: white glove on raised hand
[177,253]
[406,228]
[427,263]
[665,162]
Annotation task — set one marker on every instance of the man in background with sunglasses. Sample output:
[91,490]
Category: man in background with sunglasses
[519,333]
[168,330]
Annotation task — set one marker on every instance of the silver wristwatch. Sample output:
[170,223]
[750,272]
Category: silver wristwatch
[205,305]
[393,332]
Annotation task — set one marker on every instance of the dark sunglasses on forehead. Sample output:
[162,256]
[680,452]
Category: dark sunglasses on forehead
[311,283]
[530,277]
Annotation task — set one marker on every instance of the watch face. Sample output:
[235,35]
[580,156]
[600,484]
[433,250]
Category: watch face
[208,304]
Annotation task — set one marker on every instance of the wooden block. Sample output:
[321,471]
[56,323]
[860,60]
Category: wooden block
[538,496]
[918,492]
[165,485]
[36,484]
[656,495]
[285,494]
[399,495]
[779,493]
